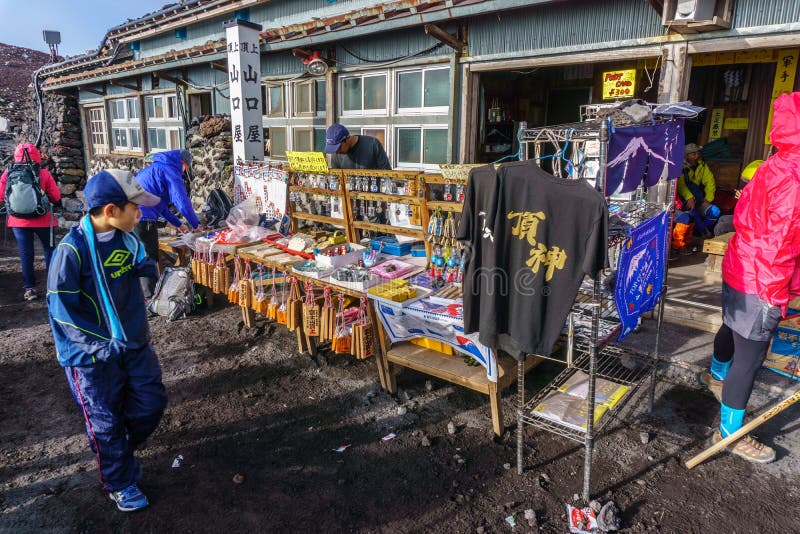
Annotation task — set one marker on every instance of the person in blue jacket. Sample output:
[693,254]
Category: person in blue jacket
[164,179]
[102,338]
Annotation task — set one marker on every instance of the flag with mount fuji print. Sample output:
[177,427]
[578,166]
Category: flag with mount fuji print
[637,153]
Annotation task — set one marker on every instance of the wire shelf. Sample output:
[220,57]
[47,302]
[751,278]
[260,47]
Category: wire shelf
[615,363]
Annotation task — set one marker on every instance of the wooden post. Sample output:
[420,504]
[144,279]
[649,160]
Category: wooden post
[496,408]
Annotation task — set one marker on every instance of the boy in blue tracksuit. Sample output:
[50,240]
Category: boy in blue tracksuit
[101,334]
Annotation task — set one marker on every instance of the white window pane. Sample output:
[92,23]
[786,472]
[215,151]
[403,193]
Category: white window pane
[120,138]
[276,100]
[277,142]
[320,95]
[377,133]
[351,98]
[172,112]
[134,135]
[133,109]
[158,104]
[375,92]
[303,98]
[437,88]
[409,145]
[174,139]
[409,90]
[149,107]
[435,148]
[162,138]
[302,140]
[319,139]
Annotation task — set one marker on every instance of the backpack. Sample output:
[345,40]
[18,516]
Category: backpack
[24,195]
[218,205]
[174,295]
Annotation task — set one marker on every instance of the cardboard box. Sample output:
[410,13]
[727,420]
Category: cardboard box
[783,355]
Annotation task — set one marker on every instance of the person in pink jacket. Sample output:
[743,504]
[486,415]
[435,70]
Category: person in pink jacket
[25,229]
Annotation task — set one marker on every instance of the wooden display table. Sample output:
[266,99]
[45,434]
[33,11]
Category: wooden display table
[453,369]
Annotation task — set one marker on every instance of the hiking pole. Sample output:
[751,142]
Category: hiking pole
[769,414]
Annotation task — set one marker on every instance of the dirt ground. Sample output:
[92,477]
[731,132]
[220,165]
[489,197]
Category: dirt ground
[244,402]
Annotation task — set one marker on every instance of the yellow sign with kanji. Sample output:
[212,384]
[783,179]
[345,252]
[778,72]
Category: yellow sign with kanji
[715,130]
[619,84]
[736,123]
[785,71]
[307,161]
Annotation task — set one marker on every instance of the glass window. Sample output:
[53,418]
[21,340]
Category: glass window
[351,94]
[377,133]
[434,148]
[437,88]
[321,85]
[136,142]
[409,89]
[375,92]
[275,96]
[149,108]
[172,107]
[303,103]
[133,108]
[118,109]
[277,142]
[158,104]
[409,145]
[303,139]
[120,138]
[174,139]
[319,139]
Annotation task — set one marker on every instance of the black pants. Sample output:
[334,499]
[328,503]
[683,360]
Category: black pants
[147,232]
[748,356]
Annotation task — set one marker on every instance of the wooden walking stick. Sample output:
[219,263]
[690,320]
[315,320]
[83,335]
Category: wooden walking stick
[769,414]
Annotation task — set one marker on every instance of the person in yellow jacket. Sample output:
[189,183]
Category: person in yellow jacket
[696,191]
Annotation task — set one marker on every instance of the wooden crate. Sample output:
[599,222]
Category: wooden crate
[718,245]
[713,274]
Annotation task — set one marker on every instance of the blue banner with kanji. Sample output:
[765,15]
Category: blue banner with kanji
[640,271]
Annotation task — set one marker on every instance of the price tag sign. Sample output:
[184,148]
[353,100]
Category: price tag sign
[457,172]
[307,161]
[619,84]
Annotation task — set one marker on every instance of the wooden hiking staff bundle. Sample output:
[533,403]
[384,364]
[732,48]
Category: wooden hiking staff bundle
[746,429]
[362,333]
[294,306]
[327,327]
[311,312]
[341,338]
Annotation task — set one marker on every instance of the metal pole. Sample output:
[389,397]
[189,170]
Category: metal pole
[523,145]
[653,376]
[570,339]
[587,465]
[520,408]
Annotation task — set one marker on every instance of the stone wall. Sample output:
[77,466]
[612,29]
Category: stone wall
[210,142]
[61,142]
[109,161]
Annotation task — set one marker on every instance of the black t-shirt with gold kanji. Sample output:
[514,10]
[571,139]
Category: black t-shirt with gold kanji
[548,233]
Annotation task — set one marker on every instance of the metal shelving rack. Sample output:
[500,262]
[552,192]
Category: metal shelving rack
[589,347]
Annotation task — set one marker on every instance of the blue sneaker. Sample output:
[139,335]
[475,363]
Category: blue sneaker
[129,499]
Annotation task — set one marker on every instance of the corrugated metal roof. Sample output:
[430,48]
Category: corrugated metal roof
[574,23]
[748,13]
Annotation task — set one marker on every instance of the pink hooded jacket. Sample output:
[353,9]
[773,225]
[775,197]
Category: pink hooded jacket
[45,180]
[763,256]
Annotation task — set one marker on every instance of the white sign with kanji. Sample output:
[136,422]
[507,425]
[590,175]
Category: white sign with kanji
[244,75]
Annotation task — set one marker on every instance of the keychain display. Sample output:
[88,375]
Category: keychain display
[245,293]
[280,313]
[233,289]
[341,339]
[311,312]
[260,301]
[294,306]
[363,333]
[274,303]
[327,327]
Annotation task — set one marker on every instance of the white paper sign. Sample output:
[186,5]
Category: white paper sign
[244,75]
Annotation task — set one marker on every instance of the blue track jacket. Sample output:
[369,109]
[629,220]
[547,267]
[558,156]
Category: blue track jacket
[164,179]
[80,327]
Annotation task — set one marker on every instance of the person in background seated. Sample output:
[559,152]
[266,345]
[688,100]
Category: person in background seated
[725,223]
[696,191]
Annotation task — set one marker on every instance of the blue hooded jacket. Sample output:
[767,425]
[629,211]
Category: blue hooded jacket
[164,179]
[78,319]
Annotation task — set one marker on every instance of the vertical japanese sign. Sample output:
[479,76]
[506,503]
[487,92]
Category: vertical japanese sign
[717,117]
[244,75]
[785,72]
